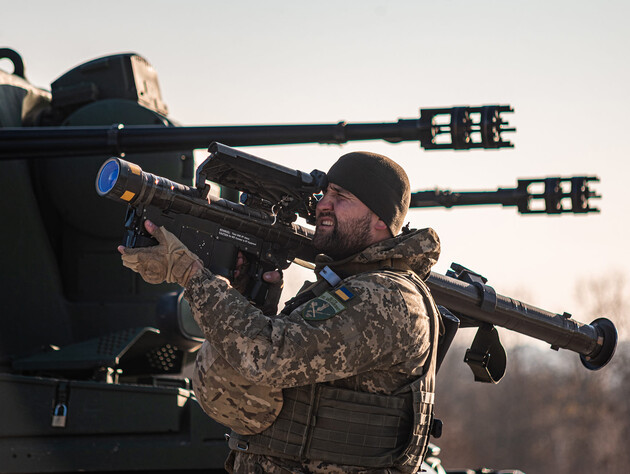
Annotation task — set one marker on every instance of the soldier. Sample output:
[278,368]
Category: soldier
[342,380]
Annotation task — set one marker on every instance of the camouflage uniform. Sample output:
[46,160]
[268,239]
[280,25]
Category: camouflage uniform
[375,341]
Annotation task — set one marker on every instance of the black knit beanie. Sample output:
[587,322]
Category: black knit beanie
[380,183]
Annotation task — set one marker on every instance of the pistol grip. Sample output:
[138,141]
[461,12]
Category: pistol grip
[135,233]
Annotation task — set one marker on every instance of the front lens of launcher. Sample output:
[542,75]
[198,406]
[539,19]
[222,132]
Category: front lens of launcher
[107,177]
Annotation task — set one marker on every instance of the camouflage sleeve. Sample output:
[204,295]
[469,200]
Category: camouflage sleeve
[377,324]
[229,398]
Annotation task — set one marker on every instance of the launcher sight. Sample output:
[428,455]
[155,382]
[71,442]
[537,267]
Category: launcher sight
[277,190]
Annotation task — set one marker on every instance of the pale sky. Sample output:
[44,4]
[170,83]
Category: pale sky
[562,65]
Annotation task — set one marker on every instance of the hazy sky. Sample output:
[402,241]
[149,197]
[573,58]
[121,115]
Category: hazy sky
[562,65]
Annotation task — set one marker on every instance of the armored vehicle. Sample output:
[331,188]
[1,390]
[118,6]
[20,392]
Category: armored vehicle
[94,362]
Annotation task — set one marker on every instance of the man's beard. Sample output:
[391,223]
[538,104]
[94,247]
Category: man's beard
[347,238]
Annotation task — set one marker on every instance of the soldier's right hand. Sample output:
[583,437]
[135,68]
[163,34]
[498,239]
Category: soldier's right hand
[169,261]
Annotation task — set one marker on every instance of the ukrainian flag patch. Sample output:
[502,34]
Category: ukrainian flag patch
[327,305]
[344,294]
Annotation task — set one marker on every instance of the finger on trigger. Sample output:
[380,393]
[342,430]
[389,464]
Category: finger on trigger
[156,231]
[150,226]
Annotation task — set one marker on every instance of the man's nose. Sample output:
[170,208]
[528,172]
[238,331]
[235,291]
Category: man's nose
[324,204]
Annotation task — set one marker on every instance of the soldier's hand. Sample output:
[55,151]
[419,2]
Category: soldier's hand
[272,278]
[276,284]
[241,273]
[241,277]
[168,261]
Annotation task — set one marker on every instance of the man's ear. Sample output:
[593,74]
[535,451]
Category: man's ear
[380,228]
[380,225]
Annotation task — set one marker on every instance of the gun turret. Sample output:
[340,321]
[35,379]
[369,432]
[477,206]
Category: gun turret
[78,328]
[461,131]
[555,199]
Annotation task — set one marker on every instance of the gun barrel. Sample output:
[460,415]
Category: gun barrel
[595,342]
[554,199]
[445,198]
[40,142]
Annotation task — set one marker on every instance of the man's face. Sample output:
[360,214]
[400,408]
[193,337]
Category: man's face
[344,225]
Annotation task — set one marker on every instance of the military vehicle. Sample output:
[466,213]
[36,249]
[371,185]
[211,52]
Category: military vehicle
[94,362]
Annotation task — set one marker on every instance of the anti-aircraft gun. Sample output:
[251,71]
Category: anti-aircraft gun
[93,360]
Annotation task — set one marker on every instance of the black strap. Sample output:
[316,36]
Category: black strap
[313,291]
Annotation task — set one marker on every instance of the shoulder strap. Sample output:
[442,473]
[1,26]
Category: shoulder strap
[326,279]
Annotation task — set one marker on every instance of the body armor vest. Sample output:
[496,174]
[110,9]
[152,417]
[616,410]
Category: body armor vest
[325,423]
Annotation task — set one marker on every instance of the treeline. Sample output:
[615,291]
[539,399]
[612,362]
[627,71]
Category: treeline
[548,415]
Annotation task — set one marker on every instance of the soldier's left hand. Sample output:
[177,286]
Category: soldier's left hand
[168,261]
[273,279]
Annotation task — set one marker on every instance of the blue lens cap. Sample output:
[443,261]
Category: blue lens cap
[107,177]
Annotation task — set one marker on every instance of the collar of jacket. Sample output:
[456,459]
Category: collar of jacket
[415,250]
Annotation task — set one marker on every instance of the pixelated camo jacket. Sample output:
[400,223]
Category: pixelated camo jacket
[371,337]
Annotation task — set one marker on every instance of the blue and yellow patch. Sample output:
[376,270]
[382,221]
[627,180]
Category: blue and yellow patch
[327,305]
[344,294]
